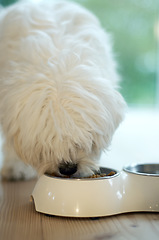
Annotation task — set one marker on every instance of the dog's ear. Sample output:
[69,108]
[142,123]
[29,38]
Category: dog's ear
[17,145]
[108,120]
[117,108]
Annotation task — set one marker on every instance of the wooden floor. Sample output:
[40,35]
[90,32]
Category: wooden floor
[19,220]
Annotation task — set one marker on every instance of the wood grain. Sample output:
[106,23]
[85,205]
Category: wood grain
[19,220]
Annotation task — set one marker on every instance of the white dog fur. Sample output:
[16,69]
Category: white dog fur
[59,99]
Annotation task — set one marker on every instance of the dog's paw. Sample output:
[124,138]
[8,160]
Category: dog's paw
[18,171]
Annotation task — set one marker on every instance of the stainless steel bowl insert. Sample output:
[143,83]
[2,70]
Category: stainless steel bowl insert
[150,169]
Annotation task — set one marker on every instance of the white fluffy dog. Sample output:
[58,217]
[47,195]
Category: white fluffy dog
[59,99]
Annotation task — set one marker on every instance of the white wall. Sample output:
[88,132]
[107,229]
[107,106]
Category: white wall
[135,141]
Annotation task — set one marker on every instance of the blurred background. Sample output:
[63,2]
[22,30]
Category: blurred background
[134,26]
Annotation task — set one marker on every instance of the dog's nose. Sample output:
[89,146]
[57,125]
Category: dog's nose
[67,168]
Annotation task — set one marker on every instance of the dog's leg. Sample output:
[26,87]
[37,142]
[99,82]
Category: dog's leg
[13,168]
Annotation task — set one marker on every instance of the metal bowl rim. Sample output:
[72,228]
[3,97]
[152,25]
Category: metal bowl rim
[141,173]
[117,173]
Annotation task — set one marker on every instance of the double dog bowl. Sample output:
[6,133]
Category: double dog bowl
[134,189]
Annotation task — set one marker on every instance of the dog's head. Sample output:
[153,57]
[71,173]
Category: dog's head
[63,132]
[60,122]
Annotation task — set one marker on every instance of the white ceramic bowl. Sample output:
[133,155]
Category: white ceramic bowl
[77,197]
[133,189]
[140,188]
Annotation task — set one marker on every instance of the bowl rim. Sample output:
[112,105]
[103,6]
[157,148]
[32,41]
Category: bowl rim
[117,173]
[132,168]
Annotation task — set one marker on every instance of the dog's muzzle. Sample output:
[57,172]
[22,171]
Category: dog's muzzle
[67,168]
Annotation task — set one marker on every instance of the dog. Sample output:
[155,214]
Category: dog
[59,90]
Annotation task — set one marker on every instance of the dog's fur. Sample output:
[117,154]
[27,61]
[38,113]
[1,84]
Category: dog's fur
[59,99]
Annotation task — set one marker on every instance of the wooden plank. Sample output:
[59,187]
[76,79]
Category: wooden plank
[18,220]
